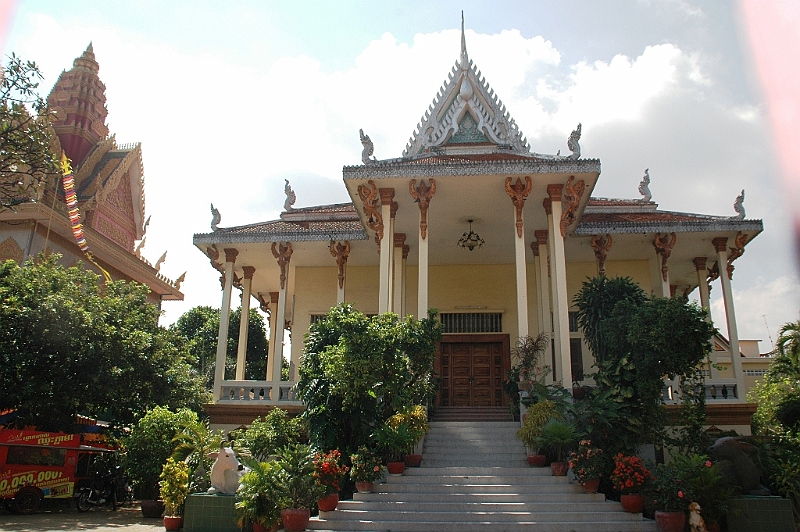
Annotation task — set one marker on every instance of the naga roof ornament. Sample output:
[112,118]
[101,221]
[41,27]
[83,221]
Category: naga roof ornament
[738,206]
[466,111]
[644,187]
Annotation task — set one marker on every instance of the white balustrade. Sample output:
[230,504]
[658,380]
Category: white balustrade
[265,392]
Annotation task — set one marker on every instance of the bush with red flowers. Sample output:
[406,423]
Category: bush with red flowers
[629,474]
[587,461]
[670,490]
[329,471]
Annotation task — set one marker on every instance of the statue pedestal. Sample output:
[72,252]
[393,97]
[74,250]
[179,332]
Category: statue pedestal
[210,513]
[748,513]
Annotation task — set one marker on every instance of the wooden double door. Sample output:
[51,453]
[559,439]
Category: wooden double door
[472,368]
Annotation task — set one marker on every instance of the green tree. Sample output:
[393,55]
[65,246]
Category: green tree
[200,326]
[357,371]
[69,345]
[787,363]
[26,135]
[778,395]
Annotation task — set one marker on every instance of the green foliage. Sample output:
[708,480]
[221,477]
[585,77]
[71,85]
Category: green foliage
[358,371]
[366,465]
[710,487]
[150,444]
[638,342]
[587,462]
[670,490]
[394,441]
[787,363]
[194,443]
[265,437]
[538,414]
[413,417]
[769,395]
[258,496]
[174,486]
[689,437]
[26,160]
[200,327]
[297,487]
[557,438]
[69,345]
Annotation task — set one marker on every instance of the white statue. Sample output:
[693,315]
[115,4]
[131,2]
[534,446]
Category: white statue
[225,473]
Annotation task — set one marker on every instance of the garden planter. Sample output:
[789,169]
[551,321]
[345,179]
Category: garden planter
[579,393]
[295,519]
[632,502]
[328,503]
[258,527]
[559,469]
[413,460]
[590,486]
[152,509]
[537,460]
[670,521]
[173,522]
[395,468]
[364,487]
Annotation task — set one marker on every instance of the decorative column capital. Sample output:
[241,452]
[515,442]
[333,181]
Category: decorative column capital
[720,243]
[231,254]
[518,192]
[699,263]
[601,245]
[541,236]
[406,249]
[554,192]
[283,253]
[535,248]
[664,245]
[548,206]
[369,199]
[399,240]
[340,252]
[422,194]
[387,196]
[248,272]
[273,297]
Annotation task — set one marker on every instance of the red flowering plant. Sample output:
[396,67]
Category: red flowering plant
[329,471]
[671,490]
[629,474]
[587,461]
[367,466]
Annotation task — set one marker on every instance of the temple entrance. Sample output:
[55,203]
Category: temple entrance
[472,367]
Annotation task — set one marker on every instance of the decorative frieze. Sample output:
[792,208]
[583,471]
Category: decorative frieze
[664,244]
[422,194]
[518,192]
[10,249]
[601,245]
[340,251]
[283,253]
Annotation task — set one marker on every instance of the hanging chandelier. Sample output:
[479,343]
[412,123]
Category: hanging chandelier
[470,239]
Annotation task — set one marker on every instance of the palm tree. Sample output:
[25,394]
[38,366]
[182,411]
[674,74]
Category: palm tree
[787,363]
[194,443]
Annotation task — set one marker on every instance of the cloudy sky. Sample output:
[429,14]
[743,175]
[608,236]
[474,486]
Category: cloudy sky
[229,99]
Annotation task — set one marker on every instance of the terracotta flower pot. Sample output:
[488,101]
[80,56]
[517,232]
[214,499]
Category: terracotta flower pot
[295,519]
[364,487]
[537,460]
[670,521]
[632,502]
[152,509]
[395,468]
[413,460]
[559,469]
[590,486]
[714,527]
[173,522]
[328,503]
[258,527]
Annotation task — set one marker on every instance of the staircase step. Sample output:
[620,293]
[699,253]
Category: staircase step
[481,525]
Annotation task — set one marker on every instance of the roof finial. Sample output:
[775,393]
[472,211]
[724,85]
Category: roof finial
[464,58]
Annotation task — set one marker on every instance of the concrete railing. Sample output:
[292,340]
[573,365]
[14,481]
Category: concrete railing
[261,392]
[716,391]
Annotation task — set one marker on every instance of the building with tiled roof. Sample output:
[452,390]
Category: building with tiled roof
[109,185]
[470,221]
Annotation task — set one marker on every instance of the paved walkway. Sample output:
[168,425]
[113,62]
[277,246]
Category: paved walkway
[56,516]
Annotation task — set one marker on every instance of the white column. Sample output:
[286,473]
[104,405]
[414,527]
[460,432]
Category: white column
[283,254]
[399,274]
[422,195]
[522,283]
[340,252]
[730,314]
[244,322]
[545,321]
[273,334]
[387,246]
[224,319]
[558,265]
[702,287]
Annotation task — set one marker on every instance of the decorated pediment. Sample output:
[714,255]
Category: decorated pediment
[466,111]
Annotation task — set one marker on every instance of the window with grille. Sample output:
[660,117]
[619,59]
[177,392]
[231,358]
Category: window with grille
[755,372]
[472,322]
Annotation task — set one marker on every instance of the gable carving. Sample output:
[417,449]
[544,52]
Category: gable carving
[10,250]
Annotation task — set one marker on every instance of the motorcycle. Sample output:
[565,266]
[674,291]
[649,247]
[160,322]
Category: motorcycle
[101,491]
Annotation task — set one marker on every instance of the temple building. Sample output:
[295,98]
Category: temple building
[471,221]
[109,184]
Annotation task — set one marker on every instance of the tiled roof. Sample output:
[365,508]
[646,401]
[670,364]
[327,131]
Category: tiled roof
[279,231]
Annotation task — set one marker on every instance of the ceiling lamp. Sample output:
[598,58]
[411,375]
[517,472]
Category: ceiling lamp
[470,240]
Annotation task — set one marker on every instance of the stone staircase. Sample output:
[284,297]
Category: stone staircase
[474,477]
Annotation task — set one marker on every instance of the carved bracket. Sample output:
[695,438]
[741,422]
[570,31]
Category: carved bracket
[283,253]
[369,199]
[571,199]
[601,245]
[735,252]
[518,192]
[422,194]
[664,244]
[340,252]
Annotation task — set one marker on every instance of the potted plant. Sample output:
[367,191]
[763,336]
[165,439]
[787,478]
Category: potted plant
[328,473]
[416,419]
[670,493]
[194,444]
[556,438]
[587,464]
[174,488]
[630,477]
[528,351]
[298,489]
[394,443]
[532,422]
[709,487]
[365,469]
[258,496]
